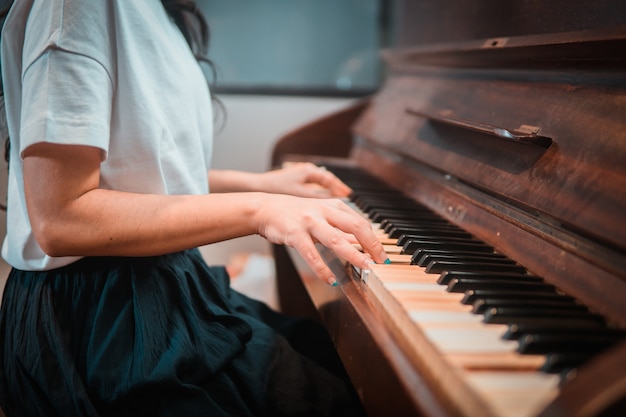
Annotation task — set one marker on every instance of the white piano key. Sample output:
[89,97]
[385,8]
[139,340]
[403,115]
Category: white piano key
[415,286]
[426,317]
[515,394]
[470,340]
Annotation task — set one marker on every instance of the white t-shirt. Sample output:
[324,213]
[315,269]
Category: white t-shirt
[114,74]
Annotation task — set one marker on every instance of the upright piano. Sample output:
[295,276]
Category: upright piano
[492,165]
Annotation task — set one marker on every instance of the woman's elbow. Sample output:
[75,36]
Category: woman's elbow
[51,238]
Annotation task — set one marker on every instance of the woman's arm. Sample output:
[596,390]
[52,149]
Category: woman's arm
[300,179]
[71,216]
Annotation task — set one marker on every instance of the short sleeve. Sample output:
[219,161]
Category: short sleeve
[66,99]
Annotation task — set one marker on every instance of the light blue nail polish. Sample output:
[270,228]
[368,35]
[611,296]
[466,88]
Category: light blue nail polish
[334,284]
[387,261]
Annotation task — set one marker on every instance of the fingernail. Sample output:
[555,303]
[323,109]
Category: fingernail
[331,281]
[387,261]
[368,262]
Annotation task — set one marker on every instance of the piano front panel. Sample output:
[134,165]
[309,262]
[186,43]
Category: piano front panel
[559,182]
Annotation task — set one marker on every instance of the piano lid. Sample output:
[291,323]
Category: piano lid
[433,22]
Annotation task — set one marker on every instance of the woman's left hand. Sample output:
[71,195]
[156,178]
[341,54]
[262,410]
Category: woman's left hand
[304,179]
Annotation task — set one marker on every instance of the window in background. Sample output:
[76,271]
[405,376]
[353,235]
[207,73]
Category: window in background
[306,47]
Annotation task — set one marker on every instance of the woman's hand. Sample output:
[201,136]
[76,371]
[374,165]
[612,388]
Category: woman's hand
[304,179]
[298,179]
[302,222]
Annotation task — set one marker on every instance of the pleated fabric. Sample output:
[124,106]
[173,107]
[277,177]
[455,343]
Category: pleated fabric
[158,336]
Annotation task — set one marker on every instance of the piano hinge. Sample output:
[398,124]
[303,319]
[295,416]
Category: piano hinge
[528,129]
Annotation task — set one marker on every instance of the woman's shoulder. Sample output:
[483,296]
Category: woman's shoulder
[85,27]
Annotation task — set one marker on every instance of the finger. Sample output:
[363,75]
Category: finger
[349,222]
[306,248]
[335,240]
[311,190]
[328,180]
[349,237]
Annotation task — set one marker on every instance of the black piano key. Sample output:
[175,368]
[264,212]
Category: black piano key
[506,315]
[516,330]
[447,276]
[404,213]
[378,191]
[421,253]
[494,258]
[366,205]
[387,199]
[367,186]
[471,296]
[418,220]
[396,230]
[483,304]
[414,244]
[408,219]
[556,321]
[541,343]
[437,267]
[377,216]
[369,204]
[405,238]
[384,197]
[560,362]
[402,235]
[464,284]
[405,209]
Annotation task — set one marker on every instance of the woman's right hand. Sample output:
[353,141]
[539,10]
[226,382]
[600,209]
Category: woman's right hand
[302,222]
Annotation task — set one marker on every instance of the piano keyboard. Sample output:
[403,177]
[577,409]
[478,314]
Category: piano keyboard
[498,338]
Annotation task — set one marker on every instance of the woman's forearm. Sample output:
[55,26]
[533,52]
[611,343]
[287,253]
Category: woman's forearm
[71,216]
[105,222]
[230,181]
[299,179]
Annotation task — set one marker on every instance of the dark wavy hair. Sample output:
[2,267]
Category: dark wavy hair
[189,19]
[192,24]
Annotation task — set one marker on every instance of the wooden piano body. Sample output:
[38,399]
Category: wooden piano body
[508,120]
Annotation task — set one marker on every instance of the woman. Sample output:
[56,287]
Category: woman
[109,309]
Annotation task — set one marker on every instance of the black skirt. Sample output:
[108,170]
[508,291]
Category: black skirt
[158,336]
